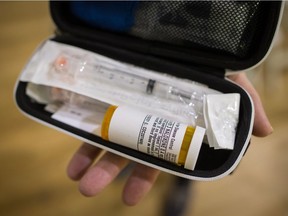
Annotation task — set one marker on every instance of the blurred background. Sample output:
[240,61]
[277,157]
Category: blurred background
[33,158]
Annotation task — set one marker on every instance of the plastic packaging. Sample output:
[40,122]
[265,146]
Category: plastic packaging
[85,69]
[90,74]
[95,72]
[221,114]
[71,76]
[162,138]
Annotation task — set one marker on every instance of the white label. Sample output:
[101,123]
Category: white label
[83,119]
[150,134]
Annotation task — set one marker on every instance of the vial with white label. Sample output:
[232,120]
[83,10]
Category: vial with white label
[157,136]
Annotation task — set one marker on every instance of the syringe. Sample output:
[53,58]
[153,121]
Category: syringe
[107,73]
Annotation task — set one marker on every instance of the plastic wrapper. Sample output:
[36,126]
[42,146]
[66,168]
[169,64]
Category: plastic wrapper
[62,75]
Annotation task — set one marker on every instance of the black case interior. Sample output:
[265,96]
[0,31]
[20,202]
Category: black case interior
[204,61]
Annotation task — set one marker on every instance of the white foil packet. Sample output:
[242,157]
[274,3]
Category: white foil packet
[221,115]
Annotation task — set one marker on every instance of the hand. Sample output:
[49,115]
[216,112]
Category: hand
[94,178]
[262,126]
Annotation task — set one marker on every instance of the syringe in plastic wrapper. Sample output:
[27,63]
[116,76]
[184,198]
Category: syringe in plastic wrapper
[77,69]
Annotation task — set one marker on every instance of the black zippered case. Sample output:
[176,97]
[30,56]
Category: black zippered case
[197,40]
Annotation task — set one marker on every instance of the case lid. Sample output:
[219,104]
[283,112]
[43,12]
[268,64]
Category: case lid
[231,35]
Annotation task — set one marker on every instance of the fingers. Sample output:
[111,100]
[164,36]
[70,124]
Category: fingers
[82,160]
[139,184]
[262,126]
[101,174]
[94,179]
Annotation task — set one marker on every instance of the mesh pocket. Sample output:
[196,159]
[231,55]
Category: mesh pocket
[228,26]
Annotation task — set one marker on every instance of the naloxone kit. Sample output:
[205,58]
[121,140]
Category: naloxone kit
[147,80]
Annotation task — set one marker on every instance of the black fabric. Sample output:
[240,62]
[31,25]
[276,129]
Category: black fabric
[227,26]
[221,34]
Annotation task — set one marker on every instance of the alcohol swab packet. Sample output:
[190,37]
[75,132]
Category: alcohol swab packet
[221,115]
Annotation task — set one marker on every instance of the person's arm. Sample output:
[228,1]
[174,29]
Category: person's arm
[94,177]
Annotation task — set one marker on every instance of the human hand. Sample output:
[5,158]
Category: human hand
[93,178]
[262,126]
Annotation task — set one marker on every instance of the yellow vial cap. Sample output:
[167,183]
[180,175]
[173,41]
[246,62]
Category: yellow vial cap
[185,145]
[106,122]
